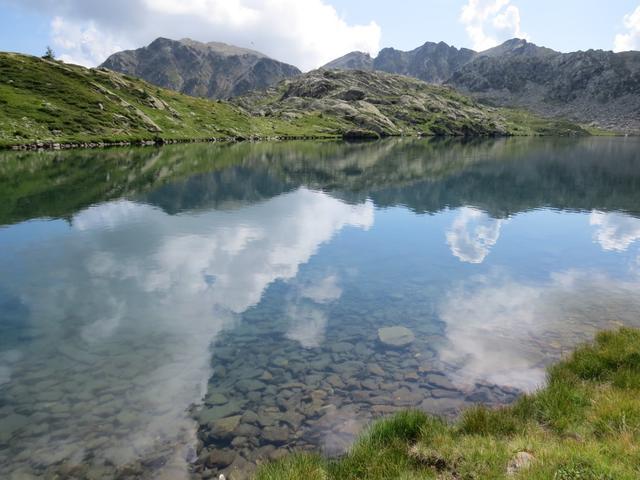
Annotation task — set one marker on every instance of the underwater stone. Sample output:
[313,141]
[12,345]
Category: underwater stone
[395,336]
[246,385]
[224,427]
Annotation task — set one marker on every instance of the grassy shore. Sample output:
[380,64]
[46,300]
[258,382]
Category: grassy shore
[584,425]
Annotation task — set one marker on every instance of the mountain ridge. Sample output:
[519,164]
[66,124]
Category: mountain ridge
[213,70]
[593,86]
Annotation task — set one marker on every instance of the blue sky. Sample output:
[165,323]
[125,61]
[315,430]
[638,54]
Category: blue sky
[565,25]
[310,32]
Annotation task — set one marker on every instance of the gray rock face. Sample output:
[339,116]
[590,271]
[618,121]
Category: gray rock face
[594,86]
[214,70]
[351,61]
[432,62]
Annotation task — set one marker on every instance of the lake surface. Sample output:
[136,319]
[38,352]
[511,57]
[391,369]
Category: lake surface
[190,310]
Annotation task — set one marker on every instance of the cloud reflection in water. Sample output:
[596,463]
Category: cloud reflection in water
[168,285]
[472,234]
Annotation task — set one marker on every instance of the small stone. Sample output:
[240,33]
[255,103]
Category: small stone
[375,369]
[280,362]
[224,427]
[521,461]
[249,385]
[220,458]
[411,377]
[439,381]
[249,417]
[216,399]
[335,381]
[396,336]
[275,435]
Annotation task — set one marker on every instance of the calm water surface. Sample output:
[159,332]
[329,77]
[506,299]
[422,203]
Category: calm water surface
[191,310]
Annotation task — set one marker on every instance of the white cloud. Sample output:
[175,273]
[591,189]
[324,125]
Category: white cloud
[307,320]
[631,39]
[308,325]
[165,286]
[488,22]
[615,231]
[82,43]
[323,291]
[306,34]
[504,331]
[472,234]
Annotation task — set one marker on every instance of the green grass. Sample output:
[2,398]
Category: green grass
[584,425]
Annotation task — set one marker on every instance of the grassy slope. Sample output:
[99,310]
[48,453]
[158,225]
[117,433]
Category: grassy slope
[51,101]
[42,100]
[584,425]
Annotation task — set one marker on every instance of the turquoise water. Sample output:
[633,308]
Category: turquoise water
[191,310]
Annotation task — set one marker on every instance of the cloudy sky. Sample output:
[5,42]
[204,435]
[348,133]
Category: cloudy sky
[308,33]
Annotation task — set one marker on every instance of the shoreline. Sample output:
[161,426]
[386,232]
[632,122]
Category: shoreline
[42,145]
[583,424]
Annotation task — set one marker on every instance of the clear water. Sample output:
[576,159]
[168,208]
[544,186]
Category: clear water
[191,310]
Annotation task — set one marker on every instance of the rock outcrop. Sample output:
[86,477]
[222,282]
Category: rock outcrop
[592,87]
[361,104]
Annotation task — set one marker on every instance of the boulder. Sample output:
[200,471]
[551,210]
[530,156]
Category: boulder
[396,336]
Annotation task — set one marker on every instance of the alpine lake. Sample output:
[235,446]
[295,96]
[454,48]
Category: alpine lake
[191,310]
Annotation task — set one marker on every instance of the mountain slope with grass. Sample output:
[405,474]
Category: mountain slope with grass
[48,101]
[584,425]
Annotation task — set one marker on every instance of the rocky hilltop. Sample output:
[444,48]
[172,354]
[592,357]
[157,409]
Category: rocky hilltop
[595,86]
[213,70]
[370,103]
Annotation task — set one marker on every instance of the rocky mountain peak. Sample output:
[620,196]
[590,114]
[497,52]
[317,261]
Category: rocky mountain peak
[214,69]
[518,46]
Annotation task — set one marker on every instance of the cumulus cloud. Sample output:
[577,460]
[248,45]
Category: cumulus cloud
[504,331]
[324,291]
[615,231]
[307,34]
[308,325]
[472,234]
[630,40]
[164,286]
[306,310]
[488,22]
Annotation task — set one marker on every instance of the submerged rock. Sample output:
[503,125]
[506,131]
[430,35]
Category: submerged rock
[224,427]
[396,336]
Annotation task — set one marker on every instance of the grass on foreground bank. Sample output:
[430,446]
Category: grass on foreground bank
[584,425]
